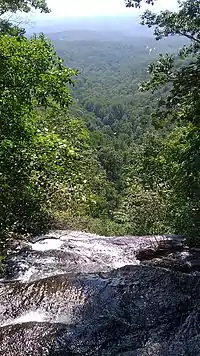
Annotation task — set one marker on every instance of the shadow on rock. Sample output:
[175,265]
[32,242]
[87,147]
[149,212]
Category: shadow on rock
[135,310]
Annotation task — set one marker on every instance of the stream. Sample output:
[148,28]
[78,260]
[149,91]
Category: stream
[75,293]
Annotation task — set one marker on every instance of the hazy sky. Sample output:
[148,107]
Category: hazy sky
[73,8]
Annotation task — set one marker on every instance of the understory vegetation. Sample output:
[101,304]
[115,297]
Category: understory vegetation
[106,147]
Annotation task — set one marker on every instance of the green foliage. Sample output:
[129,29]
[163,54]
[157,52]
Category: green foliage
[144,210]
[22,5]
[155,175]
[116,169]
[138,3]
[31,74]
[182,106]
[12,6]
[162,186]
[47,165]
[35,154]
[183,101]
[108,100]
[185,22]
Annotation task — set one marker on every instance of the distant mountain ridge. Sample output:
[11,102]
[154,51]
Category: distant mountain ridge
[128,26]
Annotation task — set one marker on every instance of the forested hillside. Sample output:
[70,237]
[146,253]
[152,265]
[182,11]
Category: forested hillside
[108,146]
[47,163]
[124,130]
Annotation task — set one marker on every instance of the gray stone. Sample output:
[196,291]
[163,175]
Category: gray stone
[134,310]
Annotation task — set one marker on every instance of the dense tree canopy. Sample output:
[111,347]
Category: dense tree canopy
[181,105]
[45,155]
[114,159]
[32,76]
[160,168]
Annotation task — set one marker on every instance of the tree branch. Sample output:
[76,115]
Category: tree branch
[192,38]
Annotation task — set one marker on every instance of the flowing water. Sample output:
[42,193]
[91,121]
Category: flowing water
[72,293]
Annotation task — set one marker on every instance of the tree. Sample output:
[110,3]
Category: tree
[181,106]
[12,6]
[33,157]
[137,3]
[22,5]
[183,99]
[32,77]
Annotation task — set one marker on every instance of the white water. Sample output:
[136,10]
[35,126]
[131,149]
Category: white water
[31,316]
[47,244]
[60,252]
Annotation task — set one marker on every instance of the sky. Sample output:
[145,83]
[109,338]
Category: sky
[83,8]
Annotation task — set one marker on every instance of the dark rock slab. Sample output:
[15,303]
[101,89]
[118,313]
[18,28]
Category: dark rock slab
[134,310]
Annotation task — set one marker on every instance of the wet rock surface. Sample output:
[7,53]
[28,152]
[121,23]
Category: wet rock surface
[66,251]
[80,294]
